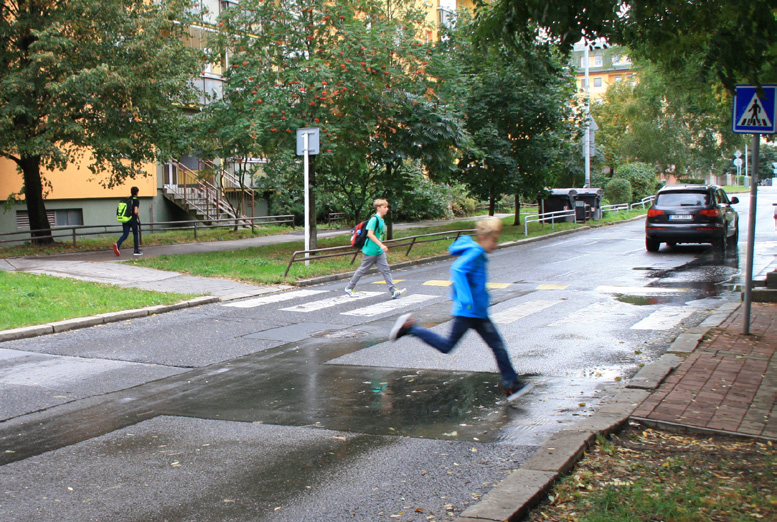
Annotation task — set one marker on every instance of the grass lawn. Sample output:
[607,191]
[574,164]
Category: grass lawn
[30,299]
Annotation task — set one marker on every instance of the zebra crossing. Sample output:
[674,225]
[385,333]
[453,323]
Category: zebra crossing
[599,312]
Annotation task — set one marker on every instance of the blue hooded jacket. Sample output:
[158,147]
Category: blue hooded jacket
[468,272]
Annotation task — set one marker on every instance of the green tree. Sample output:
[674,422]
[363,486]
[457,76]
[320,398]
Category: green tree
[355,69]
[665,119]
[517,110]
[734,39]
[106,76]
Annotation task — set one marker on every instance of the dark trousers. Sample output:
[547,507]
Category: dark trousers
[132,224]
[487,331]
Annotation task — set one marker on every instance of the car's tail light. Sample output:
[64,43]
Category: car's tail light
[653,212]
[710,212]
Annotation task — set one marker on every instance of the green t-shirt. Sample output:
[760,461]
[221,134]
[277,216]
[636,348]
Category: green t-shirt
[377,225]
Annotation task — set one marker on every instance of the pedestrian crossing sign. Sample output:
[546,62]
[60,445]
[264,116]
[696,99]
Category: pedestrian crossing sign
[754,112]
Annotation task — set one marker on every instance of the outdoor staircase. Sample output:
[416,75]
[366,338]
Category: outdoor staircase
[203,199]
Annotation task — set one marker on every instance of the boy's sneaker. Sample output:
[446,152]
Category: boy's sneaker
[518,389]
[116,249]
[401,327]
[137,253]
[397,292]
[350,292]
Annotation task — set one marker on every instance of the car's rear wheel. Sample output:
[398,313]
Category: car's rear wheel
[652,245]
[719,246]
[733,240]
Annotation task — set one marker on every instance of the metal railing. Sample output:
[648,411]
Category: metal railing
[81,231]
[644,201]
[548,216]
[615,208]
[348,250]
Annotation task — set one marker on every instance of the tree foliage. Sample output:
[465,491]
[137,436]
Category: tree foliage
[356,70]
[733,38]
[517,112]
[103,76]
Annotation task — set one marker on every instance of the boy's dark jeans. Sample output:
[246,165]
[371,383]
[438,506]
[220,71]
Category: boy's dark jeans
[132,224]
[487,331]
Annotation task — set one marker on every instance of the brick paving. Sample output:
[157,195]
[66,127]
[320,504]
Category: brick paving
[728,383]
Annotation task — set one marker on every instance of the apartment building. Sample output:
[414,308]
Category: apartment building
[182,189]
[606,66]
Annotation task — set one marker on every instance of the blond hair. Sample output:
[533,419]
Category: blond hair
[489,226]
[379,203]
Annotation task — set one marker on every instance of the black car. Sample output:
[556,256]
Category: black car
[692,214]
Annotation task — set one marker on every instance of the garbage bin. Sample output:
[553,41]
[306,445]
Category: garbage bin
[592,197]
[557,201]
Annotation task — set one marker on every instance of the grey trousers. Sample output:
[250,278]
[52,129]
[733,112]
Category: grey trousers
[381,262]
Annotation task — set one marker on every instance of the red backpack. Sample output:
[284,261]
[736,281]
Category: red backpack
[359,235]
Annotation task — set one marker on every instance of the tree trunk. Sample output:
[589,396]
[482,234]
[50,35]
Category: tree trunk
[517,221]
[312,182]
[33,196]
[491,204]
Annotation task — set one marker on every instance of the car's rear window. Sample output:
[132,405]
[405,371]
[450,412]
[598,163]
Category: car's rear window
[682,199]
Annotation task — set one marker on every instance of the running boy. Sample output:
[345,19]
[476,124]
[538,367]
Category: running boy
[470,304]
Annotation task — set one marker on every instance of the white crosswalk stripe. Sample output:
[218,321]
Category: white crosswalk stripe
[274,298]
[390,306]
[665,318]
[606,311]
[316,306]
[639,290]
[522,310]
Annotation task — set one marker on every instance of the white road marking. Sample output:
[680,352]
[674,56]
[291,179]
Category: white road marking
[664,318]
[522,310]
[274,298]
[596,313]
[390,305]
[315,306]
[639,290]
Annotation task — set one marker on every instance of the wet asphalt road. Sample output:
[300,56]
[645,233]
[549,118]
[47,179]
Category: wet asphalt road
[298,409]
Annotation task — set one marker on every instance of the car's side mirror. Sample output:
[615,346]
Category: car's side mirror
[734,200]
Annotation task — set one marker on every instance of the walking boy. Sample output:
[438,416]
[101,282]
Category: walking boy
[470,304]
[374,251]
[132,224]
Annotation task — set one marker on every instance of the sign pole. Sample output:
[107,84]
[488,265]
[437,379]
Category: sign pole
[751,233]
[306,138]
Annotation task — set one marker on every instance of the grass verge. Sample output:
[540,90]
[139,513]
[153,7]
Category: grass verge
[267,264]
[30,299]
[646,475]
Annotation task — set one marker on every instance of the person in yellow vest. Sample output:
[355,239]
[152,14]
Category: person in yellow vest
[129,217]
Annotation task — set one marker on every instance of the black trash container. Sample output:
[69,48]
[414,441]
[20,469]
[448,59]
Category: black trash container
[557,201]
[588,203]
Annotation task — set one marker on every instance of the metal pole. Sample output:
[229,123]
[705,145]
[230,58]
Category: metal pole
[587,145]
[751,233]
[307,199]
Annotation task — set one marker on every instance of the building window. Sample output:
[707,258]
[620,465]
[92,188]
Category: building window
[57,218]
[597,81]
[618,78]
[68,218]
[598,61]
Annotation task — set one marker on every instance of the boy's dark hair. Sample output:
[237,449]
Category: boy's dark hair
[134,191]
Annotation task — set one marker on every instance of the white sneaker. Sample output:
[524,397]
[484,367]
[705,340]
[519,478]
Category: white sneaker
[401,327]
[397,292]
[350,292]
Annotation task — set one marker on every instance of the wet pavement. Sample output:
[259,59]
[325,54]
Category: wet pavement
[221,439]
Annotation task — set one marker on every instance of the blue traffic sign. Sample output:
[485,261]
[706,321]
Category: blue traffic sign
[753,113]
